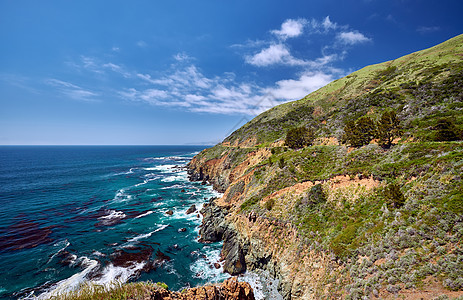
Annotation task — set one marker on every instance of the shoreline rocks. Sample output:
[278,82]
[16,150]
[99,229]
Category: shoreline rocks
[230,289]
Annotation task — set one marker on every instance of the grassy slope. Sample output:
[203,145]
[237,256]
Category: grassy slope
[401,248]
[390,84]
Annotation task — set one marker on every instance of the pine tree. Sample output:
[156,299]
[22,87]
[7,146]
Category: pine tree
[360,132]
[299,137]
[387,128]
[366,129]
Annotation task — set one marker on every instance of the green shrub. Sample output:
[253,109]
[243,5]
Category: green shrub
[394,196]
[249,202]
[299,137]
[281,163]
[316,194]
[445,130]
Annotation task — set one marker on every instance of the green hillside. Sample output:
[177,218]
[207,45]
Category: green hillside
[388,216]
[421,87]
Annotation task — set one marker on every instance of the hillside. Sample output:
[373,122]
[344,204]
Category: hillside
[330,220]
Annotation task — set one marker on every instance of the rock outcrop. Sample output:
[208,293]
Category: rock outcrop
[230,289]
[216,228]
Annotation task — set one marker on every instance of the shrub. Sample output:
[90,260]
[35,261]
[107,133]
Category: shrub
[316,194]
[394,196]
[249,202]
[269,204]
[299,137]
[445,130]
[163,285]
[281,163]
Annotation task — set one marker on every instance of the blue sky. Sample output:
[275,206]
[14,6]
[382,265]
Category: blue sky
[188,72]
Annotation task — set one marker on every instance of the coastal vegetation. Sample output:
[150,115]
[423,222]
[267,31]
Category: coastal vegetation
[354,191]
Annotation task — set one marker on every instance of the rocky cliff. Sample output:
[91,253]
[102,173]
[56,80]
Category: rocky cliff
[331,220]
[230,289]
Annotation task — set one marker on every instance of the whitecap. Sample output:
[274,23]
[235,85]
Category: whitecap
[181,176]
[114,214]
[113,274]
[149,177]
[131,171]
[71,283]
[147,235]
[122,196]
[174,186]
[98,253]
[163,168]
[145,214]
[63,245]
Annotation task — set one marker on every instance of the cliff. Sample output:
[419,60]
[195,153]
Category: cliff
[331,220]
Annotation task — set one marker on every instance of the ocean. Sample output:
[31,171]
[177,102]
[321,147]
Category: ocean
[76,214]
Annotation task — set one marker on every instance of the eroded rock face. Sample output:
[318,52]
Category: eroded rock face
[215,228]
[230,289]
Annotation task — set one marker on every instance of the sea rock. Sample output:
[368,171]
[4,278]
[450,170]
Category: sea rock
[169,212]
[191,210]
[182,230]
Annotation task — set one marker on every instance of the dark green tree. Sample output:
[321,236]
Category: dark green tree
[445,130]
[394,196]
[299,137]
[387,128]
[360,132]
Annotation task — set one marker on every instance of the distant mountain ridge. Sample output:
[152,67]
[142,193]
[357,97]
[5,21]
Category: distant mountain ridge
[334,221]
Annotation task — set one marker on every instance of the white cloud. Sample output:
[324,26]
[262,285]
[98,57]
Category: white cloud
[117,69]
[291,89]
[71,90]
[290,28]
[323,26]
[273,55]
[182,57]
[352,37]
[327,24]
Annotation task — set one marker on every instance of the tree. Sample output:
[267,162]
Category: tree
[299,137]
[445,130]
[394,197]
[387,128]
[360,132]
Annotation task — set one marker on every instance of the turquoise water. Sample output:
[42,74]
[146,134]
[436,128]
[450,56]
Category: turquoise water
[73,214]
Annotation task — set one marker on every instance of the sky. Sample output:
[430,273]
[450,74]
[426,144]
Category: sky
[188,72]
